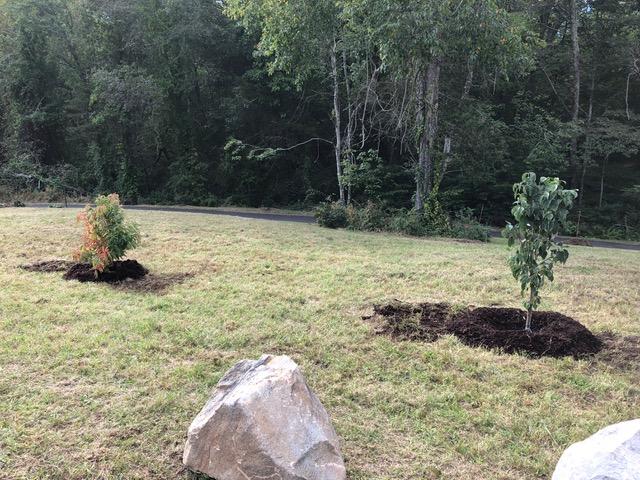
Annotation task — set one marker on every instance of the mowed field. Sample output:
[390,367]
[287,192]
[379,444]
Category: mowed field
[99,382]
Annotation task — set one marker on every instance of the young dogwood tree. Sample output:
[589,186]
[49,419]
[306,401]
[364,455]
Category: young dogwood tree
[540,210]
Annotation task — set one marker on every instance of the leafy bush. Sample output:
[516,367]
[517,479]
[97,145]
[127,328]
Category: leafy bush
[376,217]
[18,204]
[465,225]
[436,217]
[107,236]
[410,222]
[366,175]
[370,218]
[210,201]
[313,197]
[606,222]
[331,215]
[540,210]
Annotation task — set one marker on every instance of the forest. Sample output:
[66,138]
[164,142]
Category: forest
[402,104]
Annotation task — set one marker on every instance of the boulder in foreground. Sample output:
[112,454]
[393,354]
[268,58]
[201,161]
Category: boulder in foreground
[262,422]
[611,454]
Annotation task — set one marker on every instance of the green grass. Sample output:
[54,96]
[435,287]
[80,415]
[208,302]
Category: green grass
[97,382]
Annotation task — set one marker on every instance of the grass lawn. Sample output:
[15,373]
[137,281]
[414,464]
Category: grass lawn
[98,382]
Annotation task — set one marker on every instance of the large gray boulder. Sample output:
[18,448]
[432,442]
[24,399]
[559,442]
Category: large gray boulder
[263,422]
[610,454]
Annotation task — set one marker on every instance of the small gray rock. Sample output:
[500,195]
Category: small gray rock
[611,454]
[263,422]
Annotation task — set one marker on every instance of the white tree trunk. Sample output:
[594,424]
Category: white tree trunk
[337,120]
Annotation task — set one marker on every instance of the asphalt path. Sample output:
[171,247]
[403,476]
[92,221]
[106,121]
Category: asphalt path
[298,218]
[279,217]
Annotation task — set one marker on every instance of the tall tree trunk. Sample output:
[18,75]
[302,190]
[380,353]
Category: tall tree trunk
[427,92]
[602,173]
[468,83]
[351,107]
[635,71]
[446,158]
[583,173]
[337,120]
[573,158]
[370,86]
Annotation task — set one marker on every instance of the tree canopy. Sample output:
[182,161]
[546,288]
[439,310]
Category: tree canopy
[265,103]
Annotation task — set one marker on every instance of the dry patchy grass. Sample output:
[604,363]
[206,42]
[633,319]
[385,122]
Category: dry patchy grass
[101,382]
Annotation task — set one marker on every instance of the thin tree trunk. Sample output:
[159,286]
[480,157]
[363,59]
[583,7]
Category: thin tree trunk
[422,143]
[602,173]
[427,122]
[370,86]
[626,96]
[468,83]
[527,326]
[588,132]
[446,158]
[337,121]
[573,158]
[348,144]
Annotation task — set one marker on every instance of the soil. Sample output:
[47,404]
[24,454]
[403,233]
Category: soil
[153,283]
[118,272]
[48,266]
[405,321]
[126,275]
[620,352]
[552,335]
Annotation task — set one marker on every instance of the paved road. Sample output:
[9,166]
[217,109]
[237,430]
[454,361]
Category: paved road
[298,218]
[495,233]
[281,217]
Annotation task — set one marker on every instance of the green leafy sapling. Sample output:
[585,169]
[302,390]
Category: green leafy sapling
[107,235]
[540,211]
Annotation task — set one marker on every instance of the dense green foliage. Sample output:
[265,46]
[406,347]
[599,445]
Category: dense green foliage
[540,209]
[375,217]
[107,235]
[417,104]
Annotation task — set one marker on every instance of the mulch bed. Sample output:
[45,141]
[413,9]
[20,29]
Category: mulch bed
[126,275]
[118,272]
[552,335]
[49,266]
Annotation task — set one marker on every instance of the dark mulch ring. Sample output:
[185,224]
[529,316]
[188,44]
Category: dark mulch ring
[117,272]
[126,275]
[553,334]
[48,266]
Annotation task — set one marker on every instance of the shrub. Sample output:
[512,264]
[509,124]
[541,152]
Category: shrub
[410,222]
[465,225]
[540,210]
[313,197]
[18,204]
[107,236]
[376,217]
[371,218]
[210,201]
[331,215]
[436,217]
